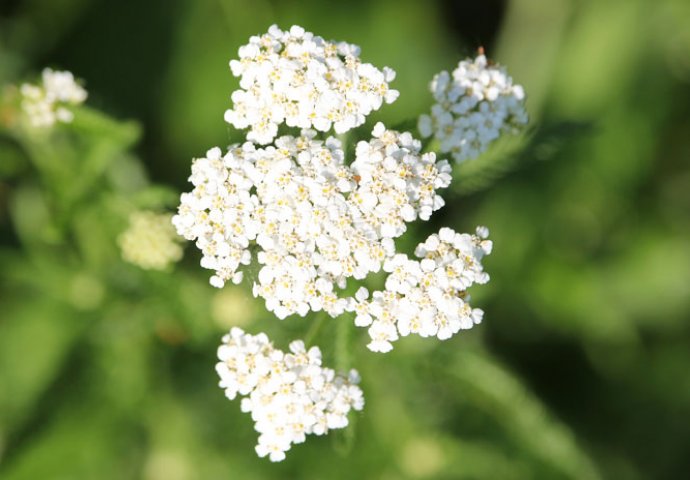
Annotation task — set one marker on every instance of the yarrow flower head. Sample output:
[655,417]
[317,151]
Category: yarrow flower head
[50,102]
[474,106]
[427,297]
[304,81]
[150,241]
[316,221]
[313,220]
[289,395]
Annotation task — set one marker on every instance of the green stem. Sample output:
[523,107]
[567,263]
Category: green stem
[314,328]
[344,137]
[344,441]
[342,340]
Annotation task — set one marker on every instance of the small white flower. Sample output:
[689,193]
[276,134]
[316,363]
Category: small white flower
[49,102]
[474,106]
[289,395]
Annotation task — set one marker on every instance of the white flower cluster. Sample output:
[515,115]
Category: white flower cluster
[49,102]
[427,297]
[316,221]
[312,220]
[289,395]
[150,241]
[475,105]
[299,79]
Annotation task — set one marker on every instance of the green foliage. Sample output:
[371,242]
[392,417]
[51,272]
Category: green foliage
[580,368]
[546,143]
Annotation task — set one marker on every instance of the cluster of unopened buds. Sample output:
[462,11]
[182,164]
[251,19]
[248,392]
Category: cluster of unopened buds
[315,221]
[150,241]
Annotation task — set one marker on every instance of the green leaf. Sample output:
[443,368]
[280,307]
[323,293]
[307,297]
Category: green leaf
[408,125]
[512,152]
[73,158]
[31,216]
[36,337]
[82,443]
[156,197]
[92,123]
[13,159]
[523,418]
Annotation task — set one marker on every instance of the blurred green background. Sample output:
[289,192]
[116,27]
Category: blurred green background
[580,369]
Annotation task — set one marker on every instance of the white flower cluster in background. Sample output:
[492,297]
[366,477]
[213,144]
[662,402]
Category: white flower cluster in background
[289,395]
[475,105]
[50,102]
[299,79]
[316,221]
[150,241]
[427,297]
